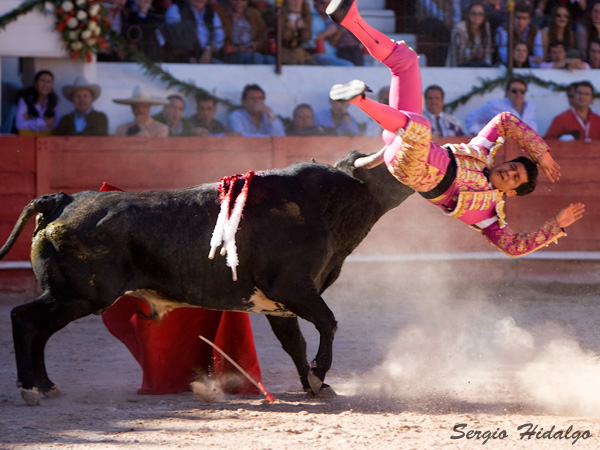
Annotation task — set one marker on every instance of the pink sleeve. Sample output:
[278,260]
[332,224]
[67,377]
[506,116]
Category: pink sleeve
[507,125]
[519,244]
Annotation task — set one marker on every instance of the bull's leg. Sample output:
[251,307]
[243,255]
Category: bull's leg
[323,319]
[33,324]
[288,332]
[311,307]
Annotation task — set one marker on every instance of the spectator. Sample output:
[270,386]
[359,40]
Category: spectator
[562,29]
[245,34]
[471,40]
[348,47]
[560,58]
[303,122]
[193,32]
[324,29]
[117,15]
[255,118]
[520,56]
[524,31]
[575,8]
[594,53]
[578,122]
[593,23]
[373,129]
[494,14]
[570,91]
[84,120]
[143,125]
[204,122]
[296,33]
[172,116]
[142,29]
[514,102]
[442,124]
[37,111]
[336,120]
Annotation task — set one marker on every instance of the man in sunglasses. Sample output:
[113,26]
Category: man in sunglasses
[461,179]
[513,102]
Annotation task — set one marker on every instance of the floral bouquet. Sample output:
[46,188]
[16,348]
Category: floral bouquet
[83,25]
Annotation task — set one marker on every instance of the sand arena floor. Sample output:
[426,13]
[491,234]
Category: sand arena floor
[414,357]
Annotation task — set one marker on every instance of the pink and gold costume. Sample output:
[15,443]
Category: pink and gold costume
[421,164]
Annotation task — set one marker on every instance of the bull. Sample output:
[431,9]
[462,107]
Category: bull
[299,224]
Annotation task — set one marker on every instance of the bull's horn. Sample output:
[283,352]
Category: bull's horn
[368,162]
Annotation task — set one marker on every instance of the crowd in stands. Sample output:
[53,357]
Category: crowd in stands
[230,32]
[37,114]
[244,32]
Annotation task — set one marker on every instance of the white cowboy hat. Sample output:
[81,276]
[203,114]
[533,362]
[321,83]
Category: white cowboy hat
[81,83]
[138,96]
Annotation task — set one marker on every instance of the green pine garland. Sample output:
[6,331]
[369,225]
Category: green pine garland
[23,8]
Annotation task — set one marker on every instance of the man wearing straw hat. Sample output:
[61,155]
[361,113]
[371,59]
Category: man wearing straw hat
[84,120]
[143,125]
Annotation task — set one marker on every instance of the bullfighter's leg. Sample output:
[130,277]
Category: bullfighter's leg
[403,62]
[288,332]
[33,324]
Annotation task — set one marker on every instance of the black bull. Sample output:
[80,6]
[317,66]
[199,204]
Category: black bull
[298,226]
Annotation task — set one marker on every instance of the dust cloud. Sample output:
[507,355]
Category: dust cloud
[461,346]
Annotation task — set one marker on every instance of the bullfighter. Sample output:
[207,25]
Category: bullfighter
[461,179]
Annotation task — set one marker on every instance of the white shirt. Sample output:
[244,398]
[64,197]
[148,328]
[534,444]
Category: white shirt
[477,119]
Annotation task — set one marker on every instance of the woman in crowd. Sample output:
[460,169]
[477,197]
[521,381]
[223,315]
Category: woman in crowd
[593,24]
[37,106]
[245,34]
[561,28]
[521,55]
[471,40]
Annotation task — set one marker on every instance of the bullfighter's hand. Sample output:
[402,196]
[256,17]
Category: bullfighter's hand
[549,166]
[570,214]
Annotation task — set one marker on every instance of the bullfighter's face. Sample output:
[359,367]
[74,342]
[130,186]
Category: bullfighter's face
[508,176]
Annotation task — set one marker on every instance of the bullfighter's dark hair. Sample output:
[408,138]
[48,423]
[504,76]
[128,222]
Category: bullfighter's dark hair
[252,87]
[532,174]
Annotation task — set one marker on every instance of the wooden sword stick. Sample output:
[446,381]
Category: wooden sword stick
[258,384]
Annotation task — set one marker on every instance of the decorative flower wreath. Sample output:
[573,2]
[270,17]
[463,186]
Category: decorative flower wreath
[83,25]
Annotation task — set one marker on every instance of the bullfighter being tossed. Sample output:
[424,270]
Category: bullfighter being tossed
[459,178]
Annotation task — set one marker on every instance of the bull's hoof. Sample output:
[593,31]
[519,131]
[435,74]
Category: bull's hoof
[315,382]
[325,392]
[31,396]
[54,392]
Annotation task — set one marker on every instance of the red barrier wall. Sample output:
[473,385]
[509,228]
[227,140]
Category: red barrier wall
[34,166]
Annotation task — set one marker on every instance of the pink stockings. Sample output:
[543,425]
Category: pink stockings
[405,86]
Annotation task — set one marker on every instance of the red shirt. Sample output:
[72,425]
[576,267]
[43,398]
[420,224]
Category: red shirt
[568,121]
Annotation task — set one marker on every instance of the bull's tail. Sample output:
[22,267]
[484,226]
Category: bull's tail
[45,205]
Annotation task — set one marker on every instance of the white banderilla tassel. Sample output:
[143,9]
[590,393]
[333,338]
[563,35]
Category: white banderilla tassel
[231,229]
[217,236]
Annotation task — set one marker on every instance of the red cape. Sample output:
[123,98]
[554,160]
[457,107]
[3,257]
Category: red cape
[171,354]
